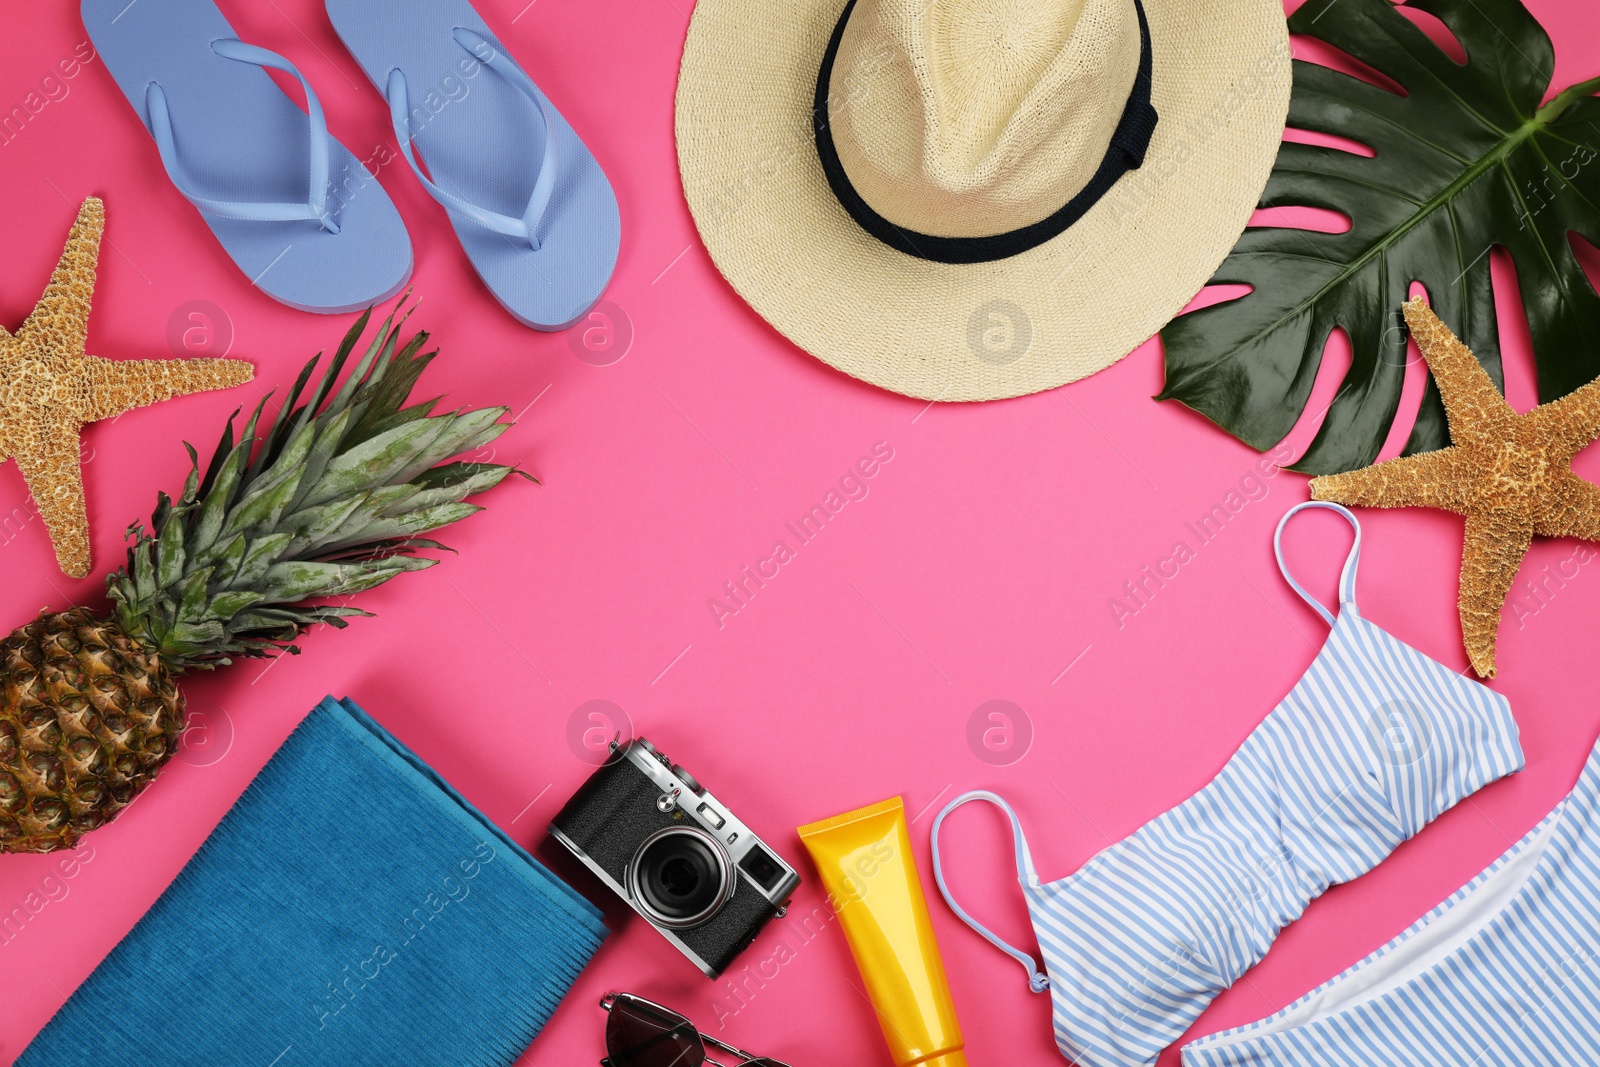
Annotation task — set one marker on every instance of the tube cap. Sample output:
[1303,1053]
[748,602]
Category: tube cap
[957,1058]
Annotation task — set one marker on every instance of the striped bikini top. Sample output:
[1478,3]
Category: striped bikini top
[1504,973]
[1373,742]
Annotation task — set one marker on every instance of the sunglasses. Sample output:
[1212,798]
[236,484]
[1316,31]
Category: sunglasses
[642,1034]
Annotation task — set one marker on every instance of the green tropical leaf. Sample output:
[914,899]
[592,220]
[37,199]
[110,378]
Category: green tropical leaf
[374,461]
[405,526]
[296,580]
[284,424]
[315,526]
[253,565]
[402,374]
[170,556]
[226,556]
[328,500]
[1467,160]
[225,606]
[457,481]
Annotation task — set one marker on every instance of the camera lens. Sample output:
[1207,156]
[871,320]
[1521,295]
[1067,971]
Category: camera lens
[680,877]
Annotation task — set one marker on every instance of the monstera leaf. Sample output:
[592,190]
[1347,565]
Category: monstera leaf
[1466,160]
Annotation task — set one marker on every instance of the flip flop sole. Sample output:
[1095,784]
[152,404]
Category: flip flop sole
[482,140]
[240,138]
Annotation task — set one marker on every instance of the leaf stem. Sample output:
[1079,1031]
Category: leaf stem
[1565,99]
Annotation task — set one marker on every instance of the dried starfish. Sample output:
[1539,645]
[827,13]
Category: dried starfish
[1509,474]
[49,388]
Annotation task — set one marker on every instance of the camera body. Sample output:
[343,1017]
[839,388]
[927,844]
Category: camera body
[649,830]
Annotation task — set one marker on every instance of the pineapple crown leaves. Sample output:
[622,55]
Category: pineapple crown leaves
[332,499]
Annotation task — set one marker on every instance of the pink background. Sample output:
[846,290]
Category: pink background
[980,566]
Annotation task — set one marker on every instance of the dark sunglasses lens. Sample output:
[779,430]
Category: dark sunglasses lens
[764,1062]
[642,1035]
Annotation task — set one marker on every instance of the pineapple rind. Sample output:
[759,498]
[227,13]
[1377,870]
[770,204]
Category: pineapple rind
[88,717]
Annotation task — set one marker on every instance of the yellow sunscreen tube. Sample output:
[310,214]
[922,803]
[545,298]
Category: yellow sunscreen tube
[865,860]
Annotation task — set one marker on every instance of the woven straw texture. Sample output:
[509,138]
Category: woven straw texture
[1033,321]
[965,120]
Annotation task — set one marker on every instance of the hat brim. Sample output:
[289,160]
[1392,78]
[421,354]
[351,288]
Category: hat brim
[1056,313]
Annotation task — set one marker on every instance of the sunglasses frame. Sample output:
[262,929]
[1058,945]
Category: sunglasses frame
[611,999]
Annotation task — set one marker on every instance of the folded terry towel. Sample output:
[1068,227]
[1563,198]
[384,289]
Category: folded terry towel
[352,908]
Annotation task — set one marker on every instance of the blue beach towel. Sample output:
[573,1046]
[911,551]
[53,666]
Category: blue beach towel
[352,908]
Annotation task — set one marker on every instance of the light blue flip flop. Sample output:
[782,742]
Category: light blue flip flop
[530,205]
[298,213]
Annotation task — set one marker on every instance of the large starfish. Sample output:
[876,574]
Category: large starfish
[50,388]
[1509,474]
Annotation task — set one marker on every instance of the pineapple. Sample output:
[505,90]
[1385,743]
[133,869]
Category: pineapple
[331,500]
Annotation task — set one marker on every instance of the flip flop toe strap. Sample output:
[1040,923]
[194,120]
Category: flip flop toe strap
[495,58]
[313,209]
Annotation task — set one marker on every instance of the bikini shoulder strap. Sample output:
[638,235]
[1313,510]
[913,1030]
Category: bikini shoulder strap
[1037,982]
[1347,581]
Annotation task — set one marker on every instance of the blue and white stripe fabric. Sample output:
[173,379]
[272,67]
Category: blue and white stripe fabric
[1505,973]
[1372,743]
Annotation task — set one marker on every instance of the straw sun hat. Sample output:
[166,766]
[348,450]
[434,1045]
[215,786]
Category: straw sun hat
[974,199]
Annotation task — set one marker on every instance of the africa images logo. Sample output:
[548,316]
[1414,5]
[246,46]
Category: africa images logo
[999,332]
